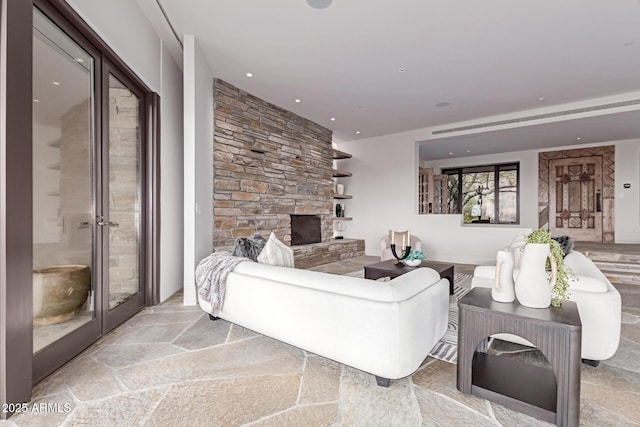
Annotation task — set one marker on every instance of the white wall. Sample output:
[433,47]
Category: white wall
[384,188]
[627,208]
[123,25]
[171,179]
[198,163]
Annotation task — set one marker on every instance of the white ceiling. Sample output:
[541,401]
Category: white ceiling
[485,58]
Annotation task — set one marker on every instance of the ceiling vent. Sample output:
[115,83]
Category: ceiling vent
[538,117]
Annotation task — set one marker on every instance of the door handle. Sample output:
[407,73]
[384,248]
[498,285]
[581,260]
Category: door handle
[102,223]
[598,201]
[84,224]
[113,224]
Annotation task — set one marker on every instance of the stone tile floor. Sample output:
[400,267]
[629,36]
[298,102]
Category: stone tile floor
[171,366]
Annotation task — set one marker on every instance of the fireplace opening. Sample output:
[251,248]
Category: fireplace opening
[305,229]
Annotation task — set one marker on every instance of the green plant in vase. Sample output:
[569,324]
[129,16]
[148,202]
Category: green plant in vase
[560,291]
[414,258]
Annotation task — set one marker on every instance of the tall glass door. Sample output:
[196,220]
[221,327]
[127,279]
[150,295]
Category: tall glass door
[124,208]
[65,273]
[88,197]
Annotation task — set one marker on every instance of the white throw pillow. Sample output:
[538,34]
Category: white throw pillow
[276,253]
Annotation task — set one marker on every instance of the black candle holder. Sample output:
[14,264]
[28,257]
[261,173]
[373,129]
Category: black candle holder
[399,262]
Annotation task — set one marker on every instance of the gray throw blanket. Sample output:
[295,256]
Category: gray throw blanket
[211,277]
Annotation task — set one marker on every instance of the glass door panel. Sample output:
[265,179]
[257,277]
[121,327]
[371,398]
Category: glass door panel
[124,156]
[64,276]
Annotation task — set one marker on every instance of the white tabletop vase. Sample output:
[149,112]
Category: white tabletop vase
[533,286]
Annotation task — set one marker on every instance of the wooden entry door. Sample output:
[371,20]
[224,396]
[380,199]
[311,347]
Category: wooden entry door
[575,198]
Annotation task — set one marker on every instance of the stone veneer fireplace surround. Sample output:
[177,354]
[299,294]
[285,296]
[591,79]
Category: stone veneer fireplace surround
[268,164]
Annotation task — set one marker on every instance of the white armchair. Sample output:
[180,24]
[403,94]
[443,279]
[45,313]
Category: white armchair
[385,247]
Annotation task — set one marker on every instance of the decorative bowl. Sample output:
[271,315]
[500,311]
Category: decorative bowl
[412,262]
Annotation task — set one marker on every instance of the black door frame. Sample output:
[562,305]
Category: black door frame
[16,228]
[16,211]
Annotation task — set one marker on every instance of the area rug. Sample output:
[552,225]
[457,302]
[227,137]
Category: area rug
[447,348]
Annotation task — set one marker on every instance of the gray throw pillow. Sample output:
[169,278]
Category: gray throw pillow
[249,247]
[566,244]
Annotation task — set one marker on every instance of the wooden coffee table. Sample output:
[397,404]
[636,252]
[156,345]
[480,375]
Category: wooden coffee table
[388,269]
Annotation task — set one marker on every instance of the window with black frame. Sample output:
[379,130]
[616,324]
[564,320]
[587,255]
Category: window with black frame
[487,194]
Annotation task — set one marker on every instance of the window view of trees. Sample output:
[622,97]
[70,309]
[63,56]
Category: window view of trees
[484,194]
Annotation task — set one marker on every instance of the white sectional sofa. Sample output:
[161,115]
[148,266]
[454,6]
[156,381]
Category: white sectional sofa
[384,328]
[598,303]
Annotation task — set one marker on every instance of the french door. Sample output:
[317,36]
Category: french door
[89,193]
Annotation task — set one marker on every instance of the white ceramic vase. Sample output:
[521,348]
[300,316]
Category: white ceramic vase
[533,288]
[503,288]
[340,189]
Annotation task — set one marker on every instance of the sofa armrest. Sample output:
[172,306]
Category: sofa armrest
[485,272]
[600,313]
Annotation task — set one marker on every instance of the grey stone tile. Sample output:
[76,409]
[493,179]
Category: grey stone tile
[440,377]
[150,334]
[151,319]
[129,409]
[630,318]
[366,404]
[621,402]
[632,333]
[121,355]
[321,380]
[88,379]
[204,333]
[507,417]
[239,333]
[592,415]
[229,402]
[437,410]
[630,297]
[314,415]
[626,357]
[611,377]
[255,357]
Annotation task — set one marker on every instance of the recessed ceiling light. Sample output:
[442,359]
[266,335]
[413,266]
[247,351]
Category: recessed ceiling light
[56,83]
[402,70]
[249,75]
[541,98]
[357,132]
[298,101]
[450,153]
[80,60]
[468,151]
[579,138]
[319,4]
[333,119]
[36,101]
[443,104]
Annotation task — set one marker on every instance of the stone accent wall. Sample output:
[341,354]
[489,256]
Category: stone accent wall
[315,254]
[608,185]
[268,163]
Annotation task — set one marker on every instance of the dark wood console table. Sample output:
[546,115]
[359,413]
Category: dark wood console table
[552,395]
[388,268]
